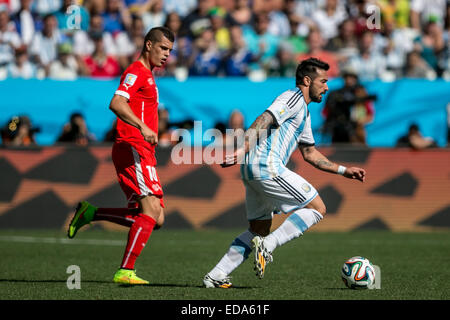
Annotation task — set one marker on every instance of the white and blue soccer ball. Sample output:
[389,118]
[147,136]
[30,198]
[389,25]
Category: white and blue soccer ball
[358,273]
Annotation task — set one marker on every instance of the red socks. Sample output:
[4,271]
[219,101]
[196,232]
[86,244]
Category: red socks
[141,227]
[138,236]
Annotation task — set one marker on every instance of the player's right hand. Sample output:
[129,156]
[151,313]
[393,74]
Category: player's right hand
[149,135]
[355,173]
[232,159]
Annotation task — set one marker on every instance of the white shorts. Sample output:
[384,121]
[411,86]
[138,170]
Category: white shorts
[285,193]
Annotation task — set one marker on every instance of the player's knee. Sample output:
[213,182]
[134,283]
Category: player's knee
[322,210]
[151,206]
[318,205]
[160,220]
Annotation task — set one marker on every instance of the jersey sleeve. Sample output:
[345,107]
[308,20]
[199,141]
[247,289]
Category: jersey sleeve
[130,82]
[306,137]
[286,105]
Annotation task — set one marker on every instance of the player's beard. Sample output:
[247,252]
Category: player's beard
[315,96]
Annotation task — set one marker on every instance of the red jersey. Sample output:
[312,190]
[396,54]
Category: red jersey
[109,68]
[138,86]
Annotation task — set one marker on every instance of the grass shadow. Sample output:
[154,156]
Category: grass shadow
[162,285]
[175,285]
[49,281]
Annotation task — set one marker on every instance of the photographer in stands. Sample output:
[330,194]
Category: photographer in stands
[348,110]
[18,131]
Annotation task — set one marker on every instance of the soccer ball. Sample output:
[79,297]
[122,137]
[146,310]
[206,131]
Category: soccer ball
[358,273]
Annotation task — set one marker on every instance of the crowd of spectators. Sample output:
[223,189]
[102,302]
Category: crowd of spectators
[360,40]
[66,39]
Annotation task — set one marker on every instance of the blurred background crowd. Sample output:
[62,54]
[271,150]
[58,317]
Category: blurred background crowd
[362,40]
[379,39]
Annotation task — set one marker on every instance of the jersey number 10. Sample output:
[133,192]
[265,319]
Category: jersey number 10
[152,173]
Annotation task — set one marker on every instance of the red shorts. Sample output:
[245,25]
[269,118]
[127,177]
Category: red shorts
[135,167]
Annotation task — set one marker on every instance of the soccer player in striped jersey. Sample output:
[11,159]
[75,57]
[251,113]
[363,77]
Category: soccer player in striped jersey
[270,186]
[135,103]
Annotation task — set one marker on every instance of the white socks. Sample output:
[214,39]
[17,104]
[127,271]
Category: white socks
[292,227]
[238,253]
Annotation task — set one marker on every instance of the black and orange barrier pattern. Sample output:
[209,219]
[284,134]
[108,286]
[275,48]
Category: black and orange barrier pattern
[405,190]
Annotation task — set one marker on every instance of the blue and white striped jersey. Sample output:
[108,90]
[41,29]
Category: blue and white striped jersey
[269,157]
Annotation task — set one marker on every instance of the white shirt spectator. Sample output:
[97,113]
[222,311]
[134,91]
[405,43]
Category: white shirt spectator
[153,19]
[83,45]
[430,8]
[26,26]
[306,8]
[45,47]
[8,41]
[44,7]
[119,45]
[67,70]
[370,68]
[26,71]
[125,47]
[279,24]
[402,44]
[182,7]
[329,25]
[14,6]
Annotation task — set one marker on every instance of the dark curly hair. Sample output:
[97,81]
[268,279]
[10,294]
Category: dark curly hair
[309,68]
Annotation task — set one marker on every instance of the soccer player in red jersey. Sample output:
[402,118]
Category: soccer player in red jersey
[136,105]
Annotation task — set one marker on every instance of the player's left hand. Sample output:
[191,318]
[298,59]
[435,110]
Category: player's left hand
[355,173]
[149,135]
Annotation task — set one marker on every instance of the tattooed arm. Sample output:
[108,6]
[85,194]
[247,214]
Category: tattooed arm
[256,130]
[263,122]
[318,160]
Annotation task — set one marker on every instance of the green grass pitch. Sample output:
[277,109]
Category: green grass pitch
[33,265]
